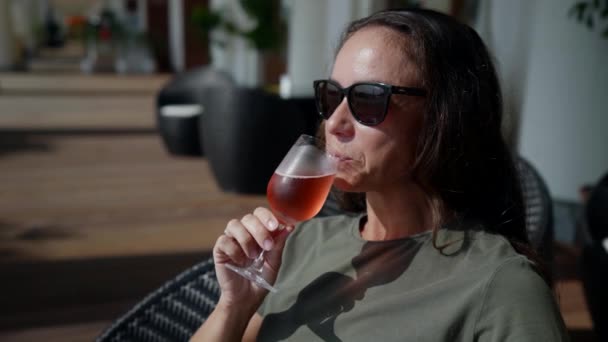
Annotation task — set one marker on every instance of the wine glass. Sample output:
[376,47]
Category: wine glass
[296,192]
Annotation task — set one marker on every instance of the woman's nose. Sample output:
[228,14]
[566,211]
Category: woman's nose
[341,123]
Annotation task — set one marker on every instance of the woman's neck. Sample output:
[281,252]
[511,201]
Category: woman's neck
[397,212]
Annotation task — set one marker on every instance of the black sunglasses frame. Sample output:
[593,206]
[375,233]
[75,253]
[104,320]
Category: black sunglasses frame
[346,92]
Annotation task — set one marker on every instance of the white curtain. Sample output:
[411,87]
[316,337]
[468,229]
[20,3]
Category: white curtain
[506,27]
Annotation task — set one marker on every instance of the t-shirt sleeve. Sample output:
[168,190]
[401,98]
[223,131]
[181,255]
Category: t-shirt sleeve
[519,306]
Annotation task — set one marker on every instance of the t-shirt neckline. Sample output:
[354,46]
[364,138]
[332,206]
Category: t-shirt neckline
[356,234]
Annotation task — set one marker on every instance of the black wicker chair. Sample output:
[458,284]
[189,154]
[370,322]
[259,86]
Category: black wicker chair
[539,212]
[171,313]
[178,308]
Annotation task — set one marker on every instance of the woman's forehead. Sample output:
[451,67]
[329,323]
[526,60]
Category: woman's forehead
[375,54]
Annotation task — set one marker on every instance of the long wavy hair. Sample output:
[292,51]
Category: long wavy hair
[461,159]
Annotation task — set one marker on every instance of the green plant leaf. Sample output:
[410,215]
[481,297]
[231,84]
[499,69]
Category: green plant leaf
[605,33]
[205,19]
[573,10]
[589,21]
[269,32]
[578,10]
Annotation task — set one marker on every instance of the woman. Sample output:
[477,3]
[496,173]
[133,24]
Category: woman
[412,111]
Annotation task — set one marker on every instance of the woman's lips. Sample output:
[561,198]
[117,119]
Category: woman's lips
[340,157]
[343,162]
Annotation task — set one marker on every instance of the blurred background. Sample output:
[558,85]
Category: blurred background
[131,131]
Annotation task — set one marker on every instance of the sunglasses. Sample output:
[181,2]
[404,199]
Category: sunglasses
[368,101]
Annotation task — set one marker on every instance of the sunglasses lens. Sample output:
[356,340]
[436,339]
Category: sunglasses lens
[328,98]
[368,103]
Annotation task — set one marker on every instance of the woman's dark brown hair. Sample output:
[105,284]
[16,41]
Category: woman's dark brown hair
[462,159]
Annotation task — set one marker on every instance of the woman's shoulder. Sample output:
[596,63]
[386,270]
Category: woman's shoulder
[476,242]
[509,283]
[475,251]
[517,274]
[508,275]
[516,287]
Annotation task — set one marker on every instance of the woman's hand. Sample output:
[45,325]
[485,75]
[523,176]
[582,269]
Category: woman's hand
[242,241]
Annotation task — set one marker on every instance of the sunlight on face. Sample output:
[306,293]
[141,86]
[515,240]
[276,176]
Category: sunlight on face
[375,157]
[362,61]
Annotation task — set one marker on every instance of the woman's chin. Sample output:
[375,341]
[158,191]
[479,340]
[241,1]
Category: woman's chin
[345,185]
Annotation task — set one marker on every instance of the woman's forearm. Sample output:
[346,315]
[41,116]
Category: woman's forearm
[225,324]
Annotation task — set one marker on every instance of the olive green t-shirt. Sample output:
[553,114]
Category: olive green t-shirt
[335,286]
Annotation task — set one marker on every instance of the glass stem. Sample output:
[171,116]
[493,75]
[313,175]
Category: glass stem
[258,263]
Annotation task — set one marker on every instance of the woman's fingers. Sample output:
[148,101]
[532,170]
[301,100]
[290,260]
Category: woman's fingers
[228,250]
[238,231]
[267,218]
[247,237]
[244,239]
[258,230]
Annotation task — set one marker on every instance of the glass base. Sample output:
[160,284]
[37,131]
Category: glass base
[254,275]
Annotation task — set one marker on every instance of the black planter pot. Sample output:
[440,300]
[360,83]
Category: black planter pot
[246,133]
[179,109]
[177,125]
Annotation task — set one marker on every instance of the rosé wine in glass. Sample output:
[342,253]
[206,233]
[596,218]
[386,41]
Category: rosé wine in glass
[298,198]
[296,192]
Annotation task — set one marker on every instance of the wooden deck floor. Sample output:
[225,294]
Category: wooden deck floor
[94,213]
[101,195]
